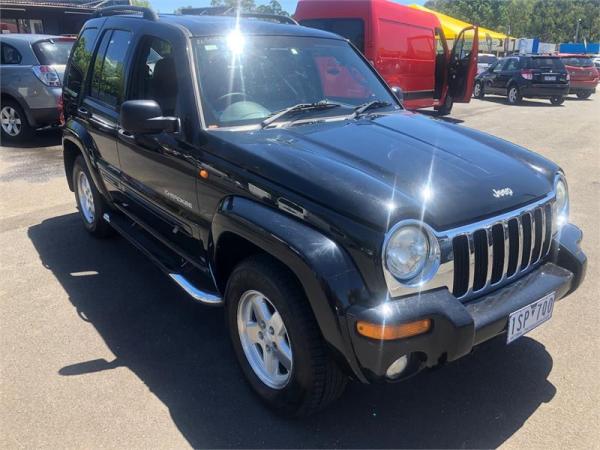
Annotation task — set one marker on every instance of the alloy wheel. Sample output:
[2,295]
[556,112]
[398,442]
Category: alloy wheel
[86,197]
[477,90]
[10,121]
[264,339]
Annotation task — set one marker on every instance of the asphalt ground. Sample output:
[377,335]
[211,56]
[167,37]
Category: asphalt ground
[100,349]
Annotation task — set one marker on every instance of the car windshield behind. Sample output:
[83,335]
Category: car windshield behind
[578,61]
[245,79]
[486,59]
[546,63]
[53,51]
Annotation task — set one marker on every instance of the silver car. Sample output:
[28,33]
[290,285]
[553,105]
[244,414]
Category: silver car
[31,73]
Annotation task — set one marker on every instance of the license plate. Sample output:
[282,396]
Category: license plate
[527,318]
[549,78]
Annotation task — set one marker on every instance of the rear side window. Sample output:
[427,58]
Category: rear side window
[53,51]
[80,61]
[512,64]
[351,29]
[546,63]
[10,55]
[108,72]
[578,62]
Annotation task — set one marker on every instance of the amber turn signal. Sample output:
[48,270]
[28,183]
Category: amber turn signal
[203,173]
[389,332]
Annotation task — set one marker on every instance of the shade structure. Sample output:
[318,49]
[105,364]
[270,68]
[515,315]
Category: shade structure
[452,27]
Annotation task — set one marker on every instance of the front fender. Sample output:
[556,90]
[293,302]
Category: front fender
[330,280]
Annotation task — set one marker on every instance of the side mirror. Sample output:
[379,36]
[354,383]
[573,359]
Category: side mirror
[398,93]
[145,117]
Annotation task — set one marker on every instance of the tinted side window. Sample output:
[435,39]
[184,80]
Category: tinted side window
[498,66]
[351,29]
[10,55]
[80,61]
[108,76]
[155,75]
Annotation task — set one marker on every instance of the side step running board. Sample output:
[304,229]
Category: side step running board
[152,248]
[194,292]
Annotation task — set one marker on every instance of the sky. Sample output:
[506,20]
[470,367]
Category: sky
[167,6]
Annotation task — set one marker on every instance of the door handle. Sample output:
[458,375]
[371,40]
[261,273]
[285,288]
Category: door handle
[84,112]
[126,135]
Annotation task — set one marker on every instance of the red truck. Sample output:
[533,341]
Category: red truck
[406,46]
[584,76]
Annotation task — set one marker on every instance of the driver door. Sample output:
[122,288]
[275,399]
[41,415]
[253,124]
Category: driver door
[463,65]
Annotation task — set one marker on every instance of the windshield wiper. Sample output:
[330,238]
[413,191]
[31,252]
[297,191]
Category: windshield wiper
[361,109]
[296,108]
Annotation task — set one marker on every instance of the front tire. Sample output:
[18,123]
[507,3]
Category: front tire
[277,340]
[446,108]
[584,94]
[13,122]
[557,100]
[478,90]
[513,95]
[90,202]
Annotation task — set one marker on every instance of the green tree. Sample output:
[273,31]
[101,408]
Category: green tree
[242,5]
[273,7]
[144,3]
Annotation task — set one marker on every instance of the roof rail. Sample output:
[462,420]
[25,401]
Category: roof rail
[230,11]
[147,13]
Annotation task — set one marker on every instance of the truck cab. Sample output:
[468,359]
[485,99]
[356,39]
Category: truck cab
[406,46]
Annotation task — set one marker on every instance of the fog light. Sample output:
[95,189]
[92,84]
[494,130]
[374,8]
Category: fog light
[397,367]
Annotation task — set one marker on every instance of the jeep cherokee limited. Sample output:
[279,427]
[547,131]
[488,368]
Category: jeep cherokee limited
[269,169]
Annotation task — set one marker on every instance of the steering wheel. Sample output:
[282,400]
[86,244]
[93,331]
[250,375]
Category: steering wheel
[230,95]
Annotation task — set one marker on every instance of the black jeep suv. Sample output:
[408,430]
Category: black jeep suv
[534,76]
[269,169]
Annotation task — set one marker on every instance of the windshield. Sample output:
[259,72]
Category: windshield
[53,51]
[578,61]
[245,79]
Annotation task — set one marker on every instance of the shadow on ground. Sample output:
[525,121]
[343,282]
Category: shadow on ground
[531,103]
[434,115]
[180,350]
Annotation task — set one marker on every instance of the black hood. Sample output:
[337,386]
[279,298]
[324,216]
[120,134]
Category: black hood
[381,169]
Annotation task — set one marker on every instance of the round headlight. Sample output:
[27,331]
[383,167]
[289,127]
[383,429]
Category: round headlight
[409,251]
[562,201]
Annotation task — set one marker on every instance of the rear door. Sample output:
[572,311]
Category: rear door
[100,107]
[510,67]
[463,65]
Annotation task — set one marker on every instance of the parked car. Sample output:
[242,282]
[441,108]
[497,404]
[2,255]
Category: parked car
[532,76]
[31,72]
[484,61]
[584,76]
[406,46]
[269,169]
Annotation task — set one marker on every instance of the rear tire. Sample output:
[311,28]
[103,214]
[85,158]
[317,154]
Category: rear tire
[13,122]
[584,94]
[513,95]
[478,90]
[279,324]
[90,202]
[557,100]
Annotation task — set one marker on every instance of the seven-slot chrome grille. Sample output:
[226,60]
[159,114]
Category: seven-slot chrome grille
[486,256]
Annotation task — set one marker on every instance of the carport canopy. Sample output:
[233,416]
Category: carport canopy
[452,27]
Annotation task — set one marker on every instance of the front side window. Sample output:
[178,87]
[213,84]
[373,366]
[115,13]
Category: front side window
[80,61]
[108,73]
[351,29]
[155,75]
[10,55]
[245,79]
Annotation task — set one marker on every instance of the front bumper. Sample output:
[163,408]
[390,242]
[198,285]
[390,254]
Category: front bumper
[458,327]
[544,90]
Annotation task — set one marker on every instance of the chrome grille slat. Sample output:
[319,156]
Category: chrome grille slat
[528,232]
[490,259]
